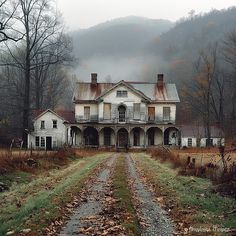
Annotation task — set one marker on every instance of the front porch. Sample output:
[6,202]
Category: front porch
[121,136]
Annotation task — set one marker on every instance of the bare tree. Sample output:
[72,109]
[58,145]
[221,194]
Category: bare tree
[199,93]
[39,26]
[8,11]
[229,51]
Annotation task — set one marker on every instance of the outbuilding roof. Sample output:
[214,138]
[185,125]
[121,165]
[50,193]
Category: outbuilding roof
[66,115]
[89,92]
[200,131]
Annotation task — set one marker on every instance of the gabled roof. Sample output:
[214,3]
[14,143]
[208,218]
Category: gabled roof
[127,85]
[88,92]
[65,115]
[200,131]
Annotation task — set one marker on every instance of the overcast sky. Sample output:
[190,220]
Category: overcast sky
[86,13]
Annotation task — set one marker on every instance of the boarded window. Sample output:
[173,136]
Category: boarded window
[137,111]
[151,113]
[107,111]
[86,113]
[54,124]
[37,141]
[42,124]
[42,142]
[166,113]
[190,142]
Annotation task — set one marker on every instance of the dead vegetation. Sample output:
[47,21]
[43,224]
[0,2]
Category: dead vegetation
[220,167]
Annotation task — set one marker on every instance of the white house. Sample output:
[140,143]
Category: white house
[49,129]
[123,114]
[195,136]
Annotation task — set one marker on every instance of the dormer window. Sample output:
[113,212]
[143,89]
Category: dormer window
[42,124]
[121,93]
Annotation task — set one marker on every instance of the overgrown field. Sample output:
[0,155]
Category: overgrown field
[192,201]
[37,194]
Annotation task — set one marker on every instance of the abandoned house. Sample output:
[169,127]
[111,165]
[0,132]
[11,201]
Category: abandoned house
[121,115]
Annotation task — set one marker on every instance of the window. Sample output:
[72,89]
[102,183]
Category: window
[54,143]
[107,111]
[42,142]
[121,110]
[54,124]
[86,113]
[42,125]
[37,141]
[190,142]
[137,111]
[121,93]
[166,113]
[151,113]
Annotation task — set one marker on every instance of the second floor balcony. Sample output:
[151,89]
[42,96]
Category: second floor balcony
[123,119]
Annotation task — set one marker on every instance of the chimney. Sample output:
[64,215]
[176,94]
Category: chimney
[160,80]
[94,78]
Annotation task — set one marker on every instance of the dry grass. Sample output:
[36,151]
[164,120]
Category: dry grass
[202,164]
[27,161]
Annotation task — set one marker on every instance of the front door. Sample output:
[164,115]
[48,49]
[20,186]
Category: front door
[122,138]
[48,143]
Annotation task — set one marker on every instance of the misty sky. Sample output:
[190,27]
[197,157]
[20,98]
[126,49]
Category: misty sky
[86,13]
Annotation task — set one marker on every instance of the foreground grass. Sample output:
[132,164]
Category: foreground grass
[209,208]
[36,203]
[122,192]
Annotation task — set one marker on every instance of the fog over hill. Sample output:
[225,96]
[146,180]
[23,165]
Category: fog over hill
[136,48]
[117,48]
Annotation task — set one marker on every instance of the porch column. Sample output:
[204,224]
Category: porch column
[145,139]
[69,136]
[115,138]
[163,135]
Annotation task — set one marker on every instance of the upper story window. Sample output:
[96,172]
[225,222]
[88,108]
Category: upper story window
[136,110]
[166,113]
[107,111]
[151,113]
[122,111]
[42,124]
[54,124]
[86,113]
[121,93]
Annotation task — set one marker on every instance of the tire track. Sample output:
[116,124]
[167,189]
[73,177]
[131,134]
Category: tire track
[87,217]
[154,220]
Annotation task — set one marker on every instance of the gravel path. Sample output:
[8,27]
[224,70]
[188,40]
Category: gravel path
[155,218]
[84,217]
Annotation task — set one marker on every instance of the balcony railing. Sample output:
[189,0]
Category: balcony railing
[129,120]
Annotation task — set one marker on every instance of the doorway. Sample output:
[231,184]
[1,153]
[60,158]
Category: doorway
[48,143]
[122,136]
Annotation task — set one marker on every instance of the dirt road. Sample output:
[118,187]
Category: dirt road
[92,217]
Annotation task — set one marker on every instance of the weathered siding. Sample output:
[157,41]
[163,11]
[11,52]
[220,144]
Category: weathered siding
[58,134]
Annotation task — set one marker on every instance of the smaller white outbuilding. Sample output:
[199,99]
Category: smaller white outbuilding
[49,129]
[195,136]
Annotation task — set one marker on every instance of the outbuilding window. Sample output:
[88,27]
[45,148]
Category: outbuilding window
[54,124]
[42,142]
[190,142]
[37,141]
[42,124]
